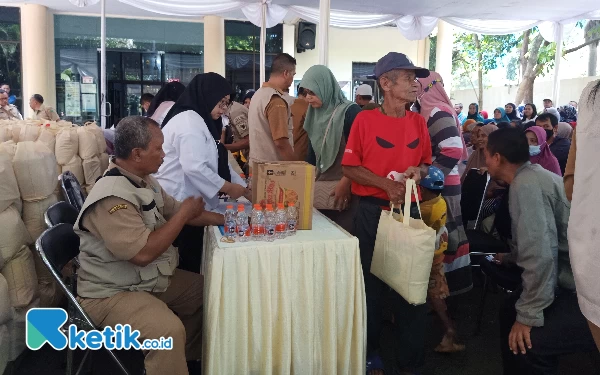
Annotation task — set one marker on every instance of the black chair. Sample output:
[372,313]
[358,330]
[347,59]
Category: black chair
[72,190]
[61,212]
[57,246]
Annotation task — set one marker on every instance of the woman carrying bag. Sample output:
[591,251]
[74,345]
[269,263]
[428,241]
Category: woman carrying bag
[328,122]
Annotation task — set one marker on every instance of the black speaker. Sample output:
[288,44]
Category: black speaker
[307,33]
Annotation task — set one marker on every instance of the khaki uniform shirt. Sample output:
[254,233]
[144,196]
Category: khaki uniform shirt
[238,120]
[269,118]
[299,109]
[120,224]
[10,112]
[46,113]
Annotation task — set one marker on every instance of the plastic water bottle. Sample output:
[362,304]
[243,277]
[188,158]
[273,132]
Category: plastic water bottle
[281,221]
[230,224]
[257,220]
[243,228]
[292,219]
[249,181]
[270,223]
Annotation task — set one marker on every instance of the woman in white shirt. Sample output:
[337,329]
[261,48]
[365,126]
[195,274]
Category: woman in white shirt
[164,101]
[196,163]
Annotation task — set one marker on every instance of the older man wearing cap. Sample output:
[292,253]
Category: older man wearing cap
[389,141]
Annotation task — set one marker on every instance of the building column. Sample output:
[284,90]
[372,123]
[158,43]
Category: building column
[36,56]
[422,53]
[214,44]
[289,39]
[443,58]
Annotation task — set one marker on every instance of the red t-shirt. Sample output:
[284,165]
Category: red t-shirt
[384,144]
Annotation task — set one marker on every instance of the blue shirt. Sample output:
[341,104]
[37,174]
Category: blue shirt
[12,99]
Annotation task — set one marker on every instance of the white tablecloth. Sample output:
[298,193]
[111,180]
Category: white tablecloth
[293,306]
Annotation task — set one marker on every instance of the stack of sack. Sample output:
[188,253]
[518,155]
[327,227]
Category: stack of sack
[18,279]
[92,150]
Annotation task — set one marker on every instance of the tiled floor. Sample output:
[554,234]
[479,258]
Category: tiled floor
[481,357]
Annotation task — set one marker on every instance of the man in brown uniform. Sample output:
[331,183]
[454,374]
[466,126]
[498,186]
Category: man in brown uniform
[8,111]
[40,111]
[269,114]
[128,269]
[299,109]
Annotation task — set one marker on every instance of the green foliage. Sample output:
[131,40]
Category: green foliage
[545,63]
[512,69]
[432,52]
[10,55]
[490,49]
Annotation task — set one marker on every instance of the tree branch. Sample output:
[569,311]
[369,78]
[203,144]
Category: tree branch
[592,41]
[524,50]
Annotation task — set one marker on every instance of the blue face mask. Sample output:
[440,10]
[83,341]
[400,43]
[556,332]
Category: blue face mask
[534,150]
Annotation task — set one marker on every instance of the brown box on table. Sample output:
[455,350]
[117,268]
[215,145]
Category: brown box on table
[284,182]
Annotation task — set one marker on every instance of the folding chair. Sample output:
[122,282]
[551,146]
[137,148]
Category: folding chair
[60,212]
[57,246]
[72,190]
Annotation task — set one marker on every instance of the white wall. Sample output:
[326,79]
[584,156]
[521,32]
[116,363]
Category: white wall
[365,45]
[570,89]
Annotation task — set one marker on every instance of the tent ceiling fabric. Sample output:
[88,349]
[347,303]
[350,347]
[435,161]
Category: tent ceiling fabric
[415,20]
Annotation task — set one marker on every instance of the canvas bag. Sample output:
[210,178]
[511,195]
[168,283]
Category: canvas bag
[404,251]
[323,200]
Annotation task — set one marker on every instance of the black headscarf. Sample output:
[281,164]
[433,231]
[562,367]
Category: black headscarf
[168,93]
[514,115]
[201,96]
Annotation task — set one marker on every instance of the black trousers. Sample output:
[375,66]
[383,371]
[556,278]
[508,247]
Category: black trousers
[406,349]
[565,331]
[190,244]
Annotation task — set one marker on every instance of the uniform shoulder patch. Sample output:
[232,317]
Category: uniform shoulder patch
[117,208]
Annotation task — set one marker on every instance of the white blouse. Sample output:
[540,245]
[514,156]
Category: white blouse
[190,167]
[584,235]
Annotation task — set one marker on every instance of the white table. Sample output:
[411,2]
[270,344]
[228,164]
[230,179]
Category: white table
[293,306]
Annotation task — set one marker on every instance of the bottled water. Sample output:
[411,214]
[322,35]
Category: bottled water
[281,221]
[292,219]
[257,220]
[243,228]
[249,181]
[230,225]
[270,223]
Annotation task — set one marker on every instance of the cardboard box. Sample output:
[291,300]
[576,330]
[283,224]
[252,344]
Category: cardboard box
[283,182]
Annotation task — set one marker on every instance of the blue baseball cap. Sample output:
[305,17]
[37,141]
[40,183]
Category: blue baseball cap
[434,179]
[397,60]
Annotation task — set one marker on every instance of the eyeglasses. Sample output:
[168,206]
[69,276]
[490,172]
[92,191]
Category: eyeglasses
[225,104]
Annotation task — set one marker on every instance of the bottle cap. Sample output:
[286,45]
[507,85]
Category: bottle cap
[291,204]
[243,175]
[269,207]
[241,208]
[280,205]
[230,207]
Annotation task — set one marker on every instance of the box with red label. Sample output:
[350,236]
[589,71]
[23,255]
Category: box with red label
[285,182]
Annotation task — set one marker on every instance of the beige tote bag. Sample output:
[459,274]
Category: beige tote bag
[404,250]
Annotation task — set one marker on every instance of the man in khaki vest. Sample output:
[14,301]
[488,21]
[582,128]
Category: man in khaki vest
[128,269]
[269,114]
[40,111]
[8,111]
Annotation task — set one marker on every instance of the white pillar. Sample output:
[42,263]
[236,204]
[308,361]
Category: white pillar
[443,58]
[323,35]
[289,39]
[214,44]
[422,53]
[34,52]
[557,58]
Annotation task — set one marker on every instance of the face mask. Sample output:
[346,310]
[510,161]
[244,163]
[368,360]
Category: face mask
[534,150]
[549,133]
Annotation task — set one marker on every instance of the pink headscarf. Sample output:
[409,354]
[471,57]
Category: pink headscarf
[431,96]
[545,159]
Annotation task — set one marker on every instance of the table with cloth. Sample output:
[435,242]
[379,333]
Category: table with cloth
[293,306]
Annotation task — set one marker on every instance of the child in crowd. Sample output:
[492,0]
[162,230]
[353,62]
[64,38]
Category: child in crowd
[433,211]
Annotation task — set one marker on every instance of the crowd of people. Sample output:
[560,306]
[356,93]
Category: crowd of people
[170,167]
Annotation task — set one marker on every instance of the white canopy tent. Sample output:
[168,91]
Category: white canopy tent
[414,20]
